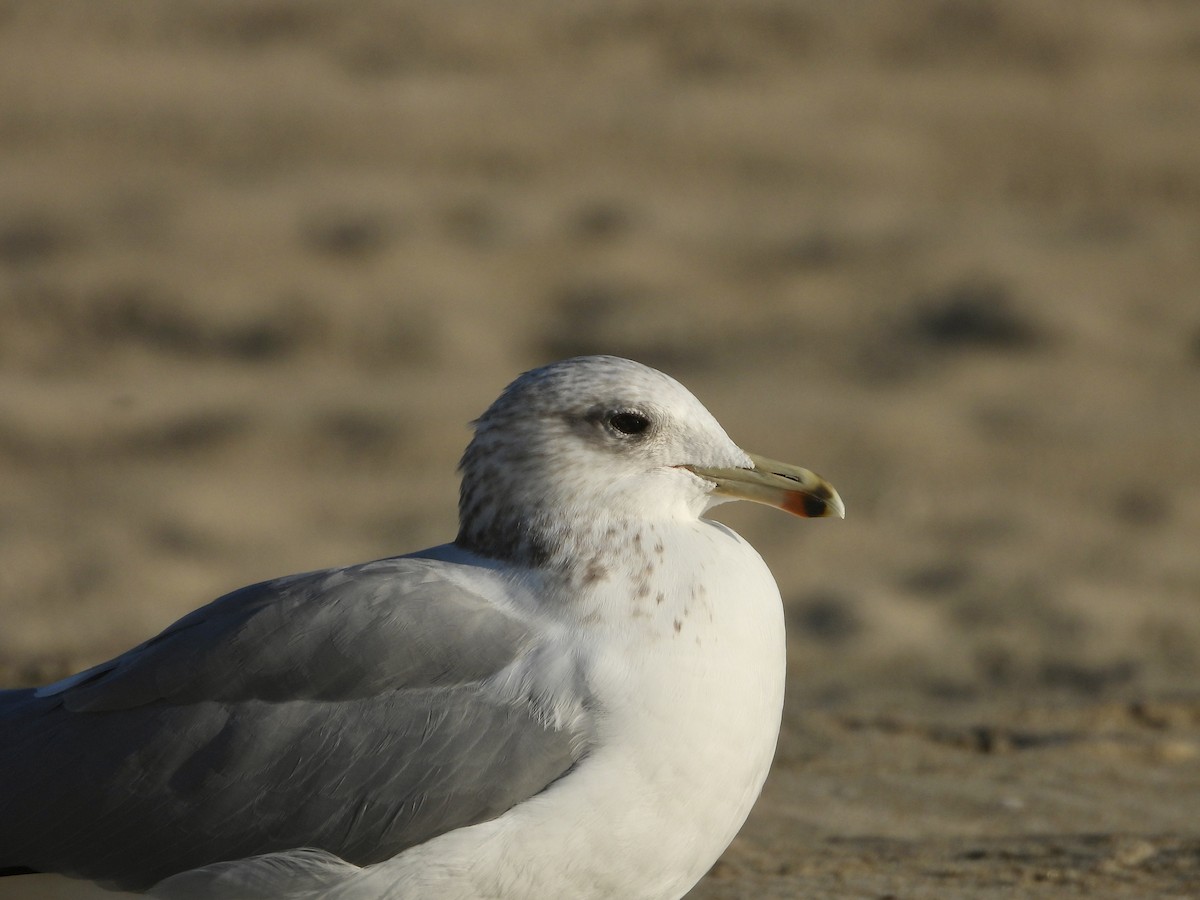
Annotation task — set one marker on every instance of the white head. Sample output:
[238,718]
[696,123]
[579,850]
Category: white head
[591,441]
[586,437]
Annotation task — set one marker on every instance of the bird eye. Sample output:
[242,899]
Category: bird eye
[629,422]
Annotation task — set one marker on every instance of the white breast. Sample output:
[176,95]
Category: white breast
[689,677]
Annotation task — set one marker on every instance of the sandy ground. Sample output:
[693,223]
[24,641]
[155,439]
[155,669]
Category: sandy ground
[260,262]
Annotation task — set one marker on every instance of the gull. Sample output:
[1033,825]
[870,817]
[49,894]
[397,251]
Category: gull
[580,696]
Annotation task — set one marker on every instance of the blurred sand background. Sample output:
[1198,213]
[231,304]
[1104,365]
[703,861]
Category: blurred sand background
[261,262]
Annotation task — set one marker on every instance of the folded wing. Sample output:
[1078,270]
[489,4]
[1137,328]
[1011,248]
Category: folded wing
[353,711]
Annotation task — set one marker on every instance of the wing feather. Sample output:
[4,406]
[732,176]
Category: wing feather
[352,711]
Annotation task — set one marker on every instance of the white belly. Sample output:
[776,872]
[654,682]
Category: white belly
[691,689]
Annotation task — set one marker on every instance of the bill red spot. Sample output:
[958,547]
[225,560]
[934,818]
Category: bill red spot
[802,503]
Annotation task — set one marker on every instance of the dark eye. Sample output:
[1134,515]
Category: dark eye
[629,422]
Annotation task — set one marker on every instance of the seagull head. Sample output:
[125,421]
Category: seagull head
[589,441]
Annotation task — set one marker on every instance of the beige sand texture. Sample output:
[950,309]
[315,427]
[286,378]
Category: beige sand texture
[261,261]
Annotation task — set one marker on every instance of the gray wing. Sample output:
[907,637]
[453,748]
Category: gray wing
[348,711]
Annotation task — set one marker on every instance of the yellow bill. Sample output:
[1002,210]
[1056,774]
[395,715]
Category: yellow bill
[795,490]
